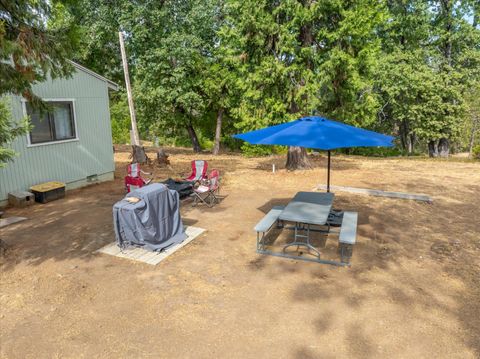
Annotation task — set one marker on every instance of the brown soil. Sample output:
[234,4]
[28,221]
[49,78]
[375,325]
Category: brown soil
[413,290]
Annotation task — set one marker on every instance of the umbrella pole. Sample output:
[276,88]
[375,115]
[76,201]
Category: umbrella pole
[328,172]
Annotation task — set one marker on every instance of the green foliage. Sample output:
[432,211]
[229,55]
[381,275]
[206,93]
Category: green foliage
[476,152]
[36,39]
[205,142]
[262,150]
[349,60]
[8,132]
[173,62]
[471,126]
[231,143]
[99,49]
[256,150]
[404,67]
[377,151]
[120,120]
[304,58]
[31,48]
[431,60]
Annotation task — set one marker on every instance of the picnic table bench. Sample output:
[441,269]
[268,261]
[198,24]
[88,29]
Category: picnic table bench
[265,224]
[347,236]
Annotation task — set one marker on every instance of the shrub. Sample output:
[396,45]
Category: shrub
[377,151]
[256,150]
[476,152]
[120,117]
[206,143]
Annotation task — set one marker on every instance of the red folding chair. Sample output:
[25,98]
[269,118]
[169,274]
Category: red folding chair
[207,192]
[133,179]
[199,171]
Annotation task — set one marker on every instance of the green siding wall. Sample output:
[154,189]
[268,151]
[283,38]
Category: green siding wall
[67,162]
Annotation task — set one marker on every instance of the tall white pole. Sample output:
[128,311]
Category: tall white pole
[136,137]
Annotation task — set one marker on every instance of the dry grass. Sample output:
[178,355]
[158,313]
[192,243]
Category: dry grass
[413,289]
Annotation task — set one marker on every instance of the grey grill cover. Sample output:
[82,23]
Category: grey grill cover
[153,223]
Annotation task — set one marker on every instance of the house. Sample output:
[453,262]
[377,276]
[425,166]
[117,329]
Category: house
[72,143]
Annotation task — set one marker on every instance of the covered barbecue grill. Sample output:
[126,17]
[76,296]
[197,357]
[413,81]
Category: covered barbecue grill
[153,222]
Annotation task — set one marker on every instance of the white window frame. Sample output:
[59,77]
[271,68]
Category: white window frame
[76,138]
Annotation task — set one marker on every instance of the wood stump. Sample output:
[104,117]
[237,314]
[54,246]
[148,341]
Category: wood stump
[138,154]
[162,157]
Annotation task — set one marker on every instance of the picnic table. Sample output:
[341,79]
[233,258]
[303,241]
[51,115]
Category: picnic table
[304,210]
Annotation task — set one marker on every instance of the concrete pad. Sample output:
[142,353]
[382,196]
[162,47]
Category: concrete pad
[10,220]
[379,193]
[149,257]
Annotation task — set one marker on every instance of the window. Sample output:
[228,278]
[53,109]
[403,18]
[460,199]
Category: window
[56,124]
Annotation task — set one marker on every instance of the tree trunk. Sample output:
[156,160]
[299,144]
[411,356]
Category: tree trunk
[193,137]
[297,159]
[138,154]
[472,136]
[443,147]
[432,148]
[218,131]
[447,7]
[411,143]
[404,135]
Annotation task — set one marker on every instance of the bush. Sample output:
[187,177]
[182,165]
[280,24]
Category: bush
[377,151]
[120,117]
[256,150]
[206,143]
[230,143]
[476,152]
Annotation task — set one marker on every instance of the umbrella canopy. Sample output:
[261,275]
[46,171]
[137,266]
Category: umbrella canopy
[318,133]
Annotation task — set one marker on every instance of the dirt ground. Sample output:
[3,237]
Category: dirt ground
[413,290]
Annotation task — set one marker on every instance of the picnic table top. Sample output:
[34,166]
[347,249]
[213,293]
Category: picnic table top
[308,207]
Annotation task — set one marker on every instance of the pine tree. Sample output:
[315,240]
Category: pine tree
[404,79]
[36,41]
[429,59]
[304,57]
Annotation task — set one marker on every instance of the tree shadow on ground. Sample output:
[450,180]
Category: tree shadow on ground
[70,228]
[392,233]
[395,237]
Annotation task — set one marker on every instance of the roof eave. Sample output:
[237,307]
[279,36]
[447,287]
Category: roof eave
[110,84]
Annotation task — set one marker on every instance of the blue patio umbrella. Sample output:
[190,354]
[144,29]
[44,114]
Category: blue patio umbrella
[317,133]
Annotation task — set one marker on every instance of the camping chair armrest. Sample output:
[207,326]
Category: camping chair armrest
[204,181]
